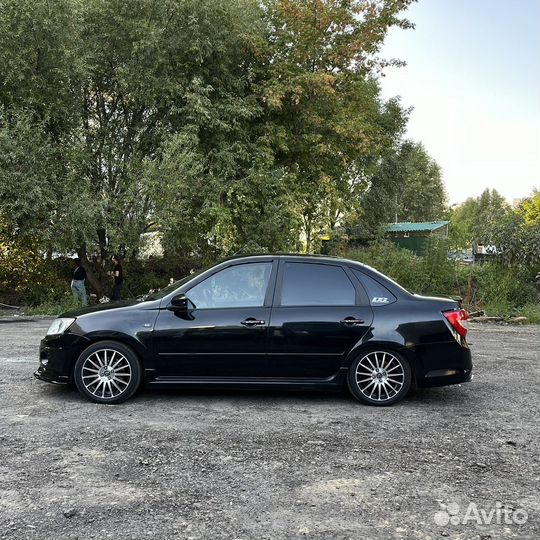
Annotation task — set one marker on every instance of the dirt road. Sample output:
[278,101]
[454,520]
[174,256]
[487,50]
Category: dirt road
[243,465]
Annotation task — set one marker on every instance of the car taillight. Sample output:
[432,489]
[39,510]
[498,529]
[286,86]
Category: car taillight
[458,320]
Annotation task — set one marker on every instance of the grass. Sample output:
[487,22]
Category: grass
[503,309]
[531,311]
[54,307]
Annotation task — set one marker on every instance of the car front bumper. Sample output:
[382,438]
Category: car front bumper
[44,375]
[57,356]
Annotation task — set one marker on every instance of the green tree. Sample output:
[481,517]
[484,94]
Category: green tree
[477,219]
[225,124]
[324,118]
[406,186]
[529,209]
[517,233]
[422,194]
[306,156]
[103,84]
[31,173]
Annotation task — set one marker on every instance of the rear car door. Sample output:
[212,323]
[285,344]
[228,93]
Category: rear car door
[319,314]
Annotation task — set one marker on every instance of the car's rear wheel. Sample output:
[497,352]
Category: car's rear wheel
[107,372]
[379,377]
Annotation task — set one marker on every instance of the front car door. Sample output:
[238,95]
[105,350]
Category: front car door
[319,314]
[225,334]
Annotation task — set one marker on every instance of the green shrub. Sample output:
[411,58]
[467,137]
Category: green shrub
[142,276]
[431,273]
[498,289]
[531,311]
[26,276]
[54,307]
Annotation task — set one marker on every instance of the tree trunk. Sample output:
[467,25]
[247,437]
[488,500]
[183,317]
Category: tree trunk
[92,279]
[307,227]
[102,239]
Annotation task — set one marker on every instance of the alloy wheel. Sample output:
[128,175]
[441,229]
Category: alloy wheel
[106,373]
[380,376]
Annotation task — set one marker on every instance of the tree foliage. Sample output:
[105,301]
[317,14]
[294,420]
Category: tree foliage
[529,209]
[406,185]
[518,233]
[230,126]
[96,90]
[489,219]
[476,220]
[324,118]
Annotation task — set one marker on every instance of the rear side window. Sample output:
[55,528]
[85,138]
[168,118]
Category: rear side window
[378,294]
[307,284]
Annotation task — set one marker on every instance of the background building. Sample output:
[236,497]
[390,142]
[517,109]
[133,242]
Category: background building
[414,236]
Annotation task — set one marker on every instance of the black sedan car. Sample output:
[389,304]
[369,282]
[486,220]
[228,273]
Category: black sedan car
[285,321]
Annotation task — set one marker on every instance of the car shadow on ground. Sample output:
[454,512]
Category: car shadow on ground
[451,395]
[448,395]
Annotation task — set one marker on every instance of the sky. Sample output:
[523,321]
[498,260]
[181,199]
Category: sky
[473,79]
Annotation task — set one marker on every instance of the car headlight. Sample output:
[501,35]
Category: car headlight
[59,326]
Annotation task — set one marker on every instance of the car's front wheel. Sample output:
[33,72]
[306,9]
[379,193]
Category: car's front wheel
[107,372]
[379,377]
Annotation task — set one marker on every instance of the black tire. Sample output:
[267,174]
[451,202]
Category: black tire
[379,377]
[95,379]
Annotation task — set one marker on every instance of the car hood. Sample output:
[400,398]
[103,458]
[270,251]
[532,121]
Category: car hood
[125,304]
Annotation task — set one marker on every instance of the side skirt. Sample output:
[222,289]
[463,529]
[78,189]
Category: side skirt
[334,383]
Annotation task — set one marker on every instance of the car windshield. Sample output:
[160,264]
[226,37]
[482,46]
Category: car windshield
[157,295]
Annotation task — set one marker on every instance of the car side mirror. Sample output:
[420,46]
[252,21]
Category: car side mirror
[180,303]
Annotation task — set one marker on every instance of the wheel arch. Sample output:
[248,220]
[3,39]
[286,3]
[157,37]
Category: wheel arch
[392,346]
[141,351]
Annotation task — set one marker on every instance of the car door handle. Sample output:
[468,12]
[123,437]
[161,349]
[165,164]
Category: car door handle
[251,321]
[351,321]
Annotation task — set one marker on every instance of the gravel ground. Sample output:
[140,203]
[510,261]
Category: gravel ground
[243,465]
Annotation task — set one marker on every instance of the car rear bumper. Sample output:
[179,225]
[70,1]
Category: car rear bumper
[444,364]
[445,377]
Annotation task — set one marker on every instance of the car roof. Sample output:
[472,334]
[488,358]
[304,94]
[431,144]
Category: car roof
[302,256]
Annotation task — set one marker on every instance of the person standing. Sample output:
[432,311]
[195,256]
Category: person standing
[78,277]
[118,276]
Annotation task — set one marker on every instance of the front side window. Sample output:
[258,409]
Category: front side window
[243,285]
[308,284]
